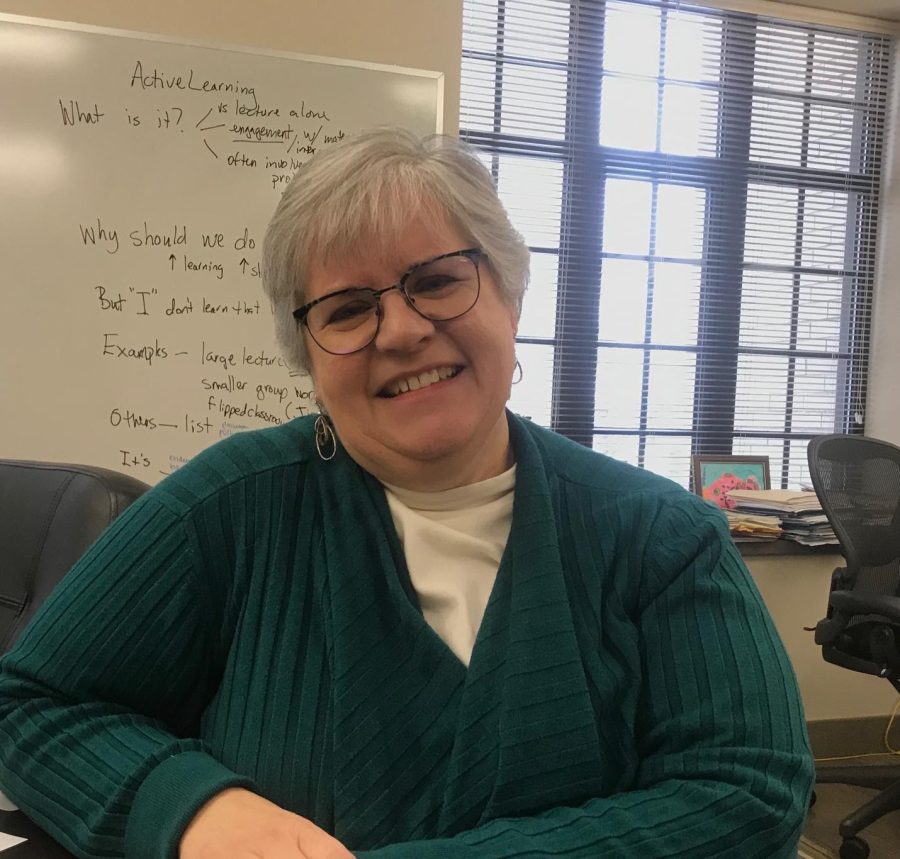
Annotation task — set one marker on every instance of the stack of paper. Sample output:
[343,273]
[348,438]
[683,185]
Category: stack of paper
[800,513]
[788,501]
[751,528]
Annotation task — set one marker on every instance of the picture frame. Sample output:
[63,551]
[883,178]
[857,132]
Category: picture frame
[715,476]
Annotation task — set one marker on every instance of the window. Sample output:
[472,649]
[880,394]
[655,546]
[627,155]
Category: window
[699,192]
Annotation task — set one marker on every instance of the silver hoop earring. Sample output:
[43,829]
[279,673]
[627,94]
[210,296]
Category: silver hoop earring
[326,440]
[519,368]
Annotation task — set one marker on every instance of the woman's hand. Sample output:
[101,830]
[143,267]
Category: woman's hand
[238,824]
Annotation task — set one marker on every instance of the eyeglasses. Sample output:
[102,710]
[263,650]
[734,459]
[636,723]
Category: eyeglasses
[439,289]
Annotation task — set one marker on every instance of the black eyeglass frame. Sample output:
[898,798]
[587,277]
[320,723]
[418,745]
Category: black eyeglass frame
[301,314]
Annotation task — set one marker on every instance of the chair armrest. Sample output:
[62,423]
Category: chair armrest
[852,603]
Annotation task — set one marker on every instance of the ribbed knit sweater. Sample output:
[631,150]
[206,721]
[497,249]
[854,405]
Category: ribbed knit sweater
[250,621]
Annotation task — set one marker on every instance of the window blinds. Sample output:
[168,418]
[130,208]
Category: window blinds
[699,191]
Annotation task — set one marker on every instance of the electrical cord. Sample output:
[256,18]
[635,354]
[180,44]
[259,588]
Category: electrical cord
[889,749]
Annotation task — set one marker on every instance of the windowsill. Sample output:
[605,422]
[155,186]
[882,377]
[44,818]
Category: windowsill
[785,547]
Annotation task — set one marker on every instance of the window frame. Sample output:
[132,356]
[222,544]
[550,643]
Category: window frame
[586,165]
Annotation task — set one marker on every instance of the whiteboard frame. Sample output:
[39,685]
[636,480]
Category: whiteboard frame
[438,77]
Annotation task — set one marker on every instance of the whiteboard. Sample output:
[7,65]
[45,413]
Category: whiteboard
[137,175]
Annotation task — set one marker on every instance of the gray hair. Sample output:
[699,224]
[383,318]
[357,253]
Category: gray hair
[364,190]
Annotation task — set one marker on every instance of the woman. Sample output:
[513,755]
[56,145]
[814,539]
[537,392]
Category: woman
[418,626]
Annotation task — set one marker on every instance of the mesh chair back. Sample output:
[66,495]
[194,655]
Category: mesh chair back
[857,480]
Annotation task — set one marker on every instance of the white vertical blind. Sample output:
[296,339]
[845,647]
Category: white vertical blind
[699,190]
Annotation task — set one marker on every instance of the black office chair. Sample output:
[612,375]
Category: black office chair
[49,515]
[857,481]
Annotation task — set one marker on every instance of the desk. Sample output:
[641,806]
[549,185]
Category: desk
[38,846]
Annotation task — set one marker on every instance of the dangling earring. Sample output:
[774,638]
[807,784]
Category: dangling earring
[519,368]
[326,440]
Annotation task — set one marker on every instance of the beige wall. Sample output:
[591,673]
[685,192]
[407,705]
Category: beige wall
[422,34]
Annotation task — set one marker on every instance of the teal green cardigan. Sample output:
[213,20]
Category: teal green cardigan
[250,621]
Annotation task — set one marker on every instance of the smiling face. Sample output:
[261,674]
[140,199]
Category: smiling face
[423,405]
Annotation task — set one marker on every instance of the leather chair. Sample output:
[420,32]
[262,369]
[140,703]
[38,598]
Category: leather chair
[49,514]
